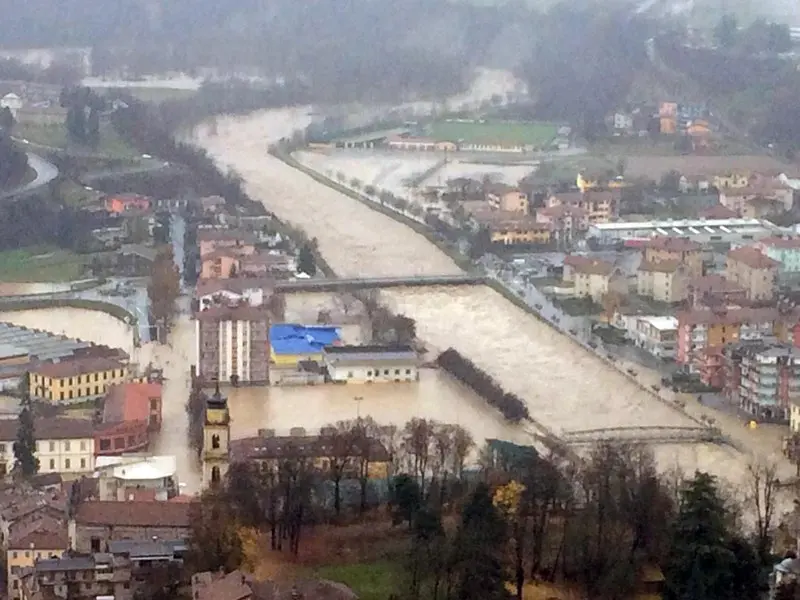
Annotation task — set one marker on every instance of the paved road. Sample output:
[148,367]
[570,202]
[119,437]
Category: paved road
[45,173]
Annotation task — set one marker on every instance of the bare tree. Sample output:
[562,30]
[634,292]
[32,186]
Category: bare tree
[337,444]
[763,488]
[418,435]
[442,452]
[462,446]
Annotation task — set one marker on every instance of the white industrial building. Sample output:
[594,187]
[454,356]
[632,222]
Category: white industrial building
[371,364]
[704,231]
[121,477]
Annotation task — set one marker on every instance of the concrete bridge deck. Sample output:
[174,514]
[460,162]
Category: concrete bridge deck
[336,285]
[657,434]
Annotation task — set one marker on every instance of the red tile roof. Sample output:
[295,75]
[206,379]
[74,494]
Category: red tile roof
[781,242]
[673,244]
[714,283]
[664,266]
[590,266]
[44,540]
[752,258]
[130,402]
[135,514]
[718,211]
[78,366]
[707,316]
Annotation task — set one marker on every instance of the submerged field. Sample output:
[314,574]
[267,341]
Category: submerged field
[495,132]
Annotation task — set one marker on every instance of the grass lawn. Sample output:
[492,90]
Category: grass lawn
[495,132]
[40,264]
[55,136]
[370,581]
[155,94]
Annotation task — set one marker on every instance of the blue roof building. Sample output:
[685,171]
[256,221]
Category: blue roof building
[290,342]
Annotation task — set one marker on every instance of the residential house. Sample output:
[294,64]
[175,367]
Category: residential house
[262,264]
[682,250]
[125,203]
[124,478]
[785,250]
[664,281]
[241,242]
[243,291]
[97,523]
[703,334]
[63,446]
[507,199]
[731,181]
[31,511]
[717,212]
[371,364]
[12,102]
[658,335]
[754,271]
[622,123]
[75,380]
[600,205]
[763,378]
[131,412]
[232,343]
[291,343]
[714,290]
[511,229]
[134,260]
[24,552]
[694,183]
[592,277]
[761,196]
[211,205]
[567,223]
[267,451]
[699,132]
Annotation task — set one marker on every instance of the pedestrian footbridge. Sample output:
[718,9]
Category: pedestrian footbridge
[340,285]
[648,435]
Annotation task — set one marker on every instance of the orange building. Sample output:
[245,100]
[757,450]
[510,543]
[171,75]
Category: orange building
[123,203]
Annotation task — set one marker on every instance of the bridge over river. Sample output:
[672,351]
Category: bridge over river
[367,283]
[655,434]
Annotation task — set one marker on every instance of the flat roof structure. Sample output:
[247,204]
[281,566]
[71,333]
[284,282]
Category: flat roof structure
[289,338]
[661,323]
[698,230]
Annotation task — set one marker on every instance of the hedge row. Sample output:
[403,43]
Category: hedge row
[483,384]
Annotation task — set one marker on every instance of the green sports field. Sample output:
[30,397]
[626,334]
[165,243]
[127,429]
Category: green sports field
[495,132]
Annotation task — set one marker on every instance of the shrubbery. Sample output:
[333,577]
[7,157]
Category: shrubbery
[483,384]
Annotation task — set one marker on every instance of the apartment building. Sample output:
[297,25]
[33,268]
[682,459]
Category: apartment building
[567,223]
[681,250]
[233,343]
[664,281]
[785,250]
[240,242]
[510,229]
[601,206]
[63,446]
[131,413]
[704,333]
[76,380]
[763,378]
[592,277]
[656,334]
[507,199]
[714,290]
[25,551]
[754,271]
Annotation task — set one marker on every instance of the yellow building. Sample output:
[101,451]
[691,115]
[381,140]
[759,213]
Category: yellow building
[291,343]
[731,180]
[267,451]
[508,199]
[216,439]
[50,542]
[519,232]
[76,380]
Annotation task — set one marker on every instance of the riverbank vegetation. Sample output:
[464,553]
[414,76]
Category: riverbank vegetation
[607,527]
[468,373]
[41,264]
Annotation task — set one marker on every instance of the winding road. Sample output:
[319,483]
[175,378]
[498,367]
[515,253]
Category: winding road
[45,173]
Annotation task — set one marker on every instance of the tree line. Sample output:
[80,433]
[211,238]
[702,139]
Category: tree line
[468,373]
[596,525]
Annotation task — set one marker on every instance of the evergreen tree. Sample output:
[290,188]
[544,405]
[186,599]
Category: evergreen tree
[305,261]
[6,119]
[701,562]
[27,465]
[479,554]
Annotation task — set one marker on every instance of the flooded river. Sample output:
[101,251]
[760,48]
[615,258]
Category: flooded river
[566,387]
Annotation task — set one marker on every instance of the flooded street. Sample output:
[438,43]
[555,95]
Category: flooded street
[566,387]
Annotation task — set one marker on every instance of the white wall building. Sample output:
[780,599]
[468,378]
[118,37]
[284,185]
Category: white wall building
[656,335]
[119,475]
[703,231]
[63,446]
[12,102]
[371,364]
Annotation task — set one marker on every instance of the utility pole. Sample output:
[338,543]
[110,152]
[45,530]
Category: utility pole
[358,400]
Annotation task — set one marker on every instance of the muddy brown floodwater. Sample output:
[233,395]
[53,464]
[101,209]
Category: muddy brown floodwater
[565,387]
